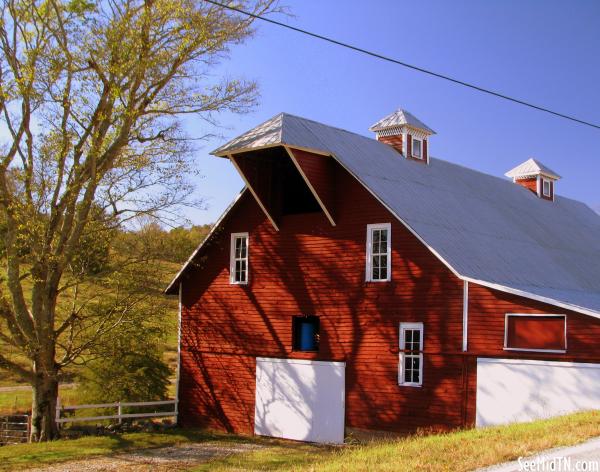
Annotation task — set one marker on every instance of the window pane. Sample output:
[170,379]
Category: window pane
[546,188]
[383,238]
[416,364]
[407,369]
[416,148]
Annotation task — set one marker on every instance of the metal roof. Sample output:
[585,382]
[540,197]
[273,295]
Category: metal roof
[485,229]
[399,118]
[531,168]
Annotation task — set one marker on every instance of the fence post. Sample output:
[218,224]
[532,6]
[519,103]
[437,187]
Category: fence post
[57,416]
[120,412]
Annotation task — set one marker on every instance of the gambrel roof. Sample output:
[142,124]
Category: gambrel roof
[485,229]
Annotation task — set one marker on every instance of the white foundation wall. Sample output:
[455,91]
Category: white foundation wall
[519,390]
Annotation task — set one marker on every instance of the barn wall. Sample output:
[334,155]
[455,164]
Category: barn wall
[488,307]
[310,267]
[487,310]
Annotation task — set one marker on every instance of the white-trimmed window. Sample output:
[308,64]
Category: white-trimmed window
[546,188]
[379,252]
[417,148]
[410,366]
[238,266]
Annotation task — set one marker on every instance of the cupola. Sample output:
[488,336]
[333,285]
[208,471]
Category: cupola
[405,133]
[536,177]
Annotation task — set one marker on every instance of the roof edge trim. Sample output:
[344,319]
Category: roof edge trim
[532,296]
[226,154]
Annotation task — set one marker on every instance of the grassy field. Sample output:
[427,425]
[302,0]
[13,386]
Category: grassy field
[457,451]
[20,401]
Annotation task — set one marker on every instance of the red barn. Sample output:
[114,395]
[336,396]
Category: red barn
[359,283]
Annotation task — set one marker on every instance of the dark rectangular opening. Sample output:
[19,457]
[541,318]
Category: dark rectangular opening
[305,333]
[297,197]
[276,179]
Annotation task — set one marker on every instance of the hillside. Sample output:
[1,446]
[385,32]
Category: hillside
[176,245]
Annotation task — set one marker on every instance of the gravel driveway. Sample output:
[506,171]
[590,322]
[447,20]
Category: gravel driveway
[161,459]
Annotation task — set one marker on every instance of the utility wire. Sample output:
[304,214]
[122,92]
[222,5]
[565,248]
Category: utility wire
[404,64]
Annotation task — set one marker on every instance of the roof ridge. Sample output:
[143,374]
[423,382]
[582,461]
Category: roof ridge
[325,124]
[499,178]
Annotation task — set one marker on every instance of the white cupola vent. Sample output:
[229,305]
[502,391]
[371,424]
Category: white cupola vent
[405,133]
[535,176]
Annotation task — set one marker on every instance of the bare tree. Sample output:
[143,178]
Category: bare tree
[91,94]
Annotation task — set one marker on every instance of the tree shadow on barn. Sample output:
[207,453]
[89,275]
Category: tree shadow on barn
[312,268]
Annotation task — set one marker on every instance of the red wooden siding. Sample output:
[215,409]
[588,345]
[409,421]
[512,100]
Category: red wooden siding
[394,140]
[310,267]
[425,151]
[530,184]
[320,172]
[487,310]
[535,332]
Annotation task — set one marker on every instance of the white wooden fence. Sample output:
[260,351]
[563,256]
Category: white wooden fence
[14,429]
[120,416]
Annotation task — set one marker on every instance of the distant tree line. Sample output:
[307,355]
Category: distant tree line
[172,245]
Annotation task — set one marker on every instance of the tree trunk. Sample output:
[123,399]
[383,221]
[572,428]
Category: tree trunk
[43,409]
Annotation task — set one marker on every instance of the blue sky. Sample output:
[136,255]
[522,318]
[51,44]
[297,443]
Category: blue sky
[546,52]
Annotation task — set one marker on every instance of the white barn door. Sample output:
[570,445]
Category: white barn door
[518,390]
[300,399]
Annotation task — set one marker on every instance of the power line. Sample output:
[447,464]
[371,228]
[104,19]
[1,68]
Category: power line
[404,64]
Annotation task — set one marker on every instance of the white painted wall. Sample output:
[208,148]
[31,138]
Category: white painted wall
[300,399]
[515,390]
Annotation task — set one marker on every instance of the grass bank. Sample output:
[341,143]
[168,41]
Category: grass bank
[458,451]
